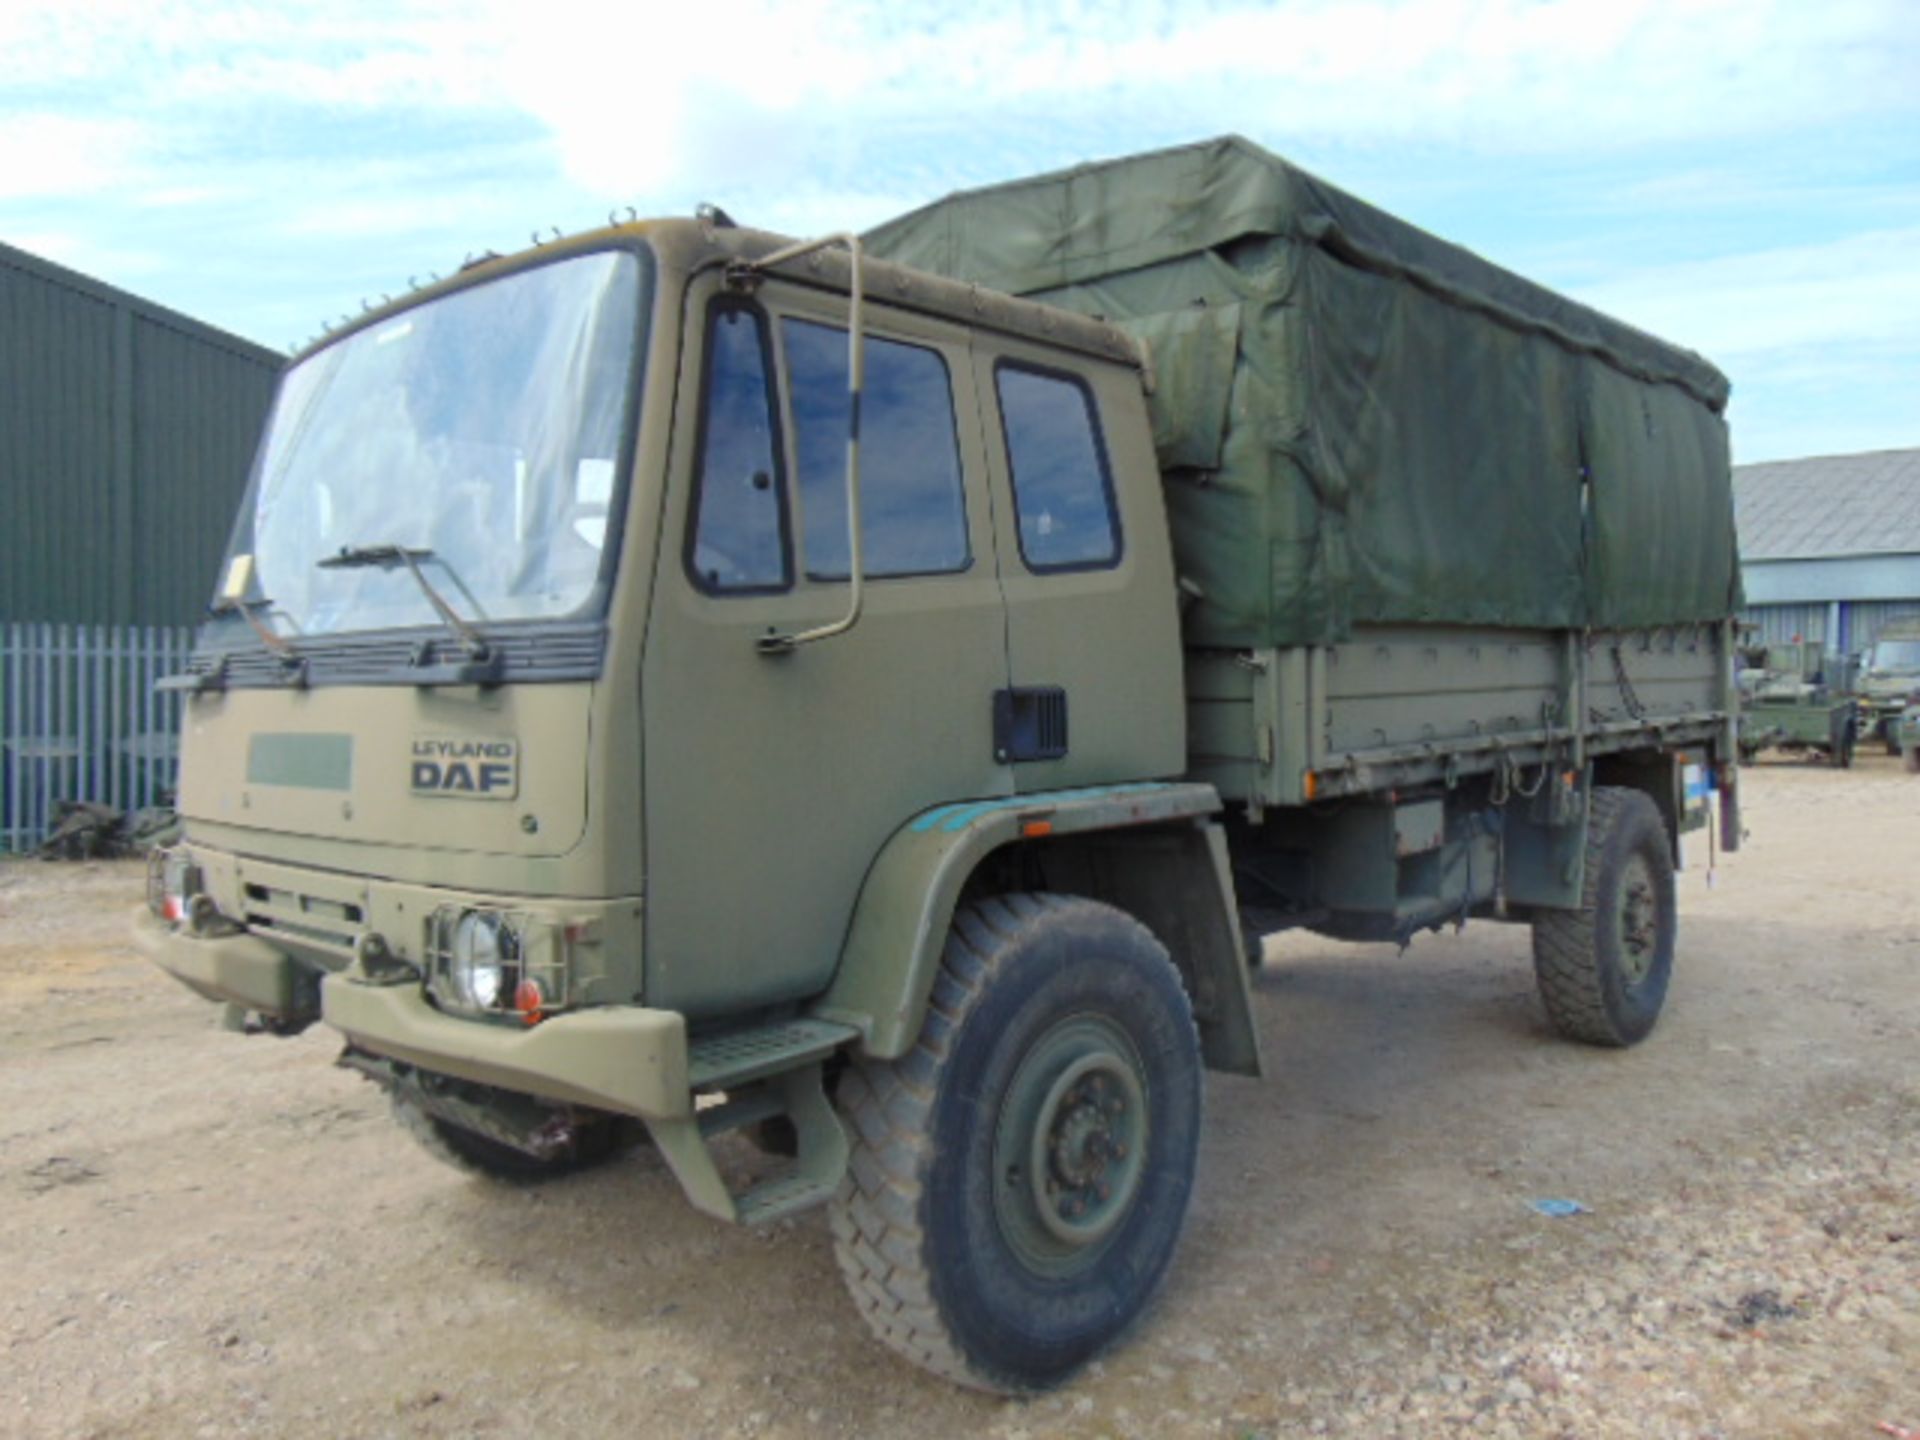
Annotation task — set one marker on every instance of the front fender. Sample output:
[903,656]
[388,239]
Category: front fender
[906,904]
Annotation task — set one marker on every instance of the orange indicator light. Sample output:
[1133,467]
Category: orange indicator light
[527,999]
[1037,829]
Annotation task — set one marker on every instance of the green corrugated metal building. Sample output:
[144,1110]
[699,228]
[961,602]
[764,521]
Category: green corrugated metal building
[126,432]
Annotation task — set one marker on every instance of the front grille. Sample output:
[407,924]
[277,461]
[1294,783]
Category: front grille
[308,919]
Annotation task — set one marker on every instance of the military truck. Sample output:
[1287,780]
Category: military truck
[1786,704]
[1889,673]
[863,694]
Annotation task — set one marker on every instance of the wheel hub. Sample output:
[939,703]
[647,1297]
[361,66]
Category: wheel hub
[1639,921]
[1070,1144]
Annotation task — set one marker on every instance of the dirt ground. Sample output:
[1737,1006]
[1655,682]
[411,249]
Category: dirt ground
[205,1233]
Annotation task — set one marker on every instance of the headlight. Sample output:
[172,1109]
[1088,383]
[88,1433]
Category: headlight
[483,949]
[498,962]
[172,882]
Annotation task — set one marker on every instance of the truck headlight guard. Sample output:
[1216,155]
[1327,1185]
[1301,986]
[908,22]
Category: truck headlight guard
[496,962]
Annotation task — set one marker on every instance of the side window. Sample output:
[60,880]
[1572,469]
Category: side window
[1062,491]
[737,539]
[912,509]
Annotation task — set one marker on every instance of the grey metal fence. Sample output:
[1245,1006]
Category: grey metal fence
[80,720]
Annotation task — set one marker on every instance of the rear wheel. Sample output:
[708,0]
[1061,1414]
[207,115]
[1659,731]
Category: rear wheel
[1020,1179]
[1603,969]
[1913,758]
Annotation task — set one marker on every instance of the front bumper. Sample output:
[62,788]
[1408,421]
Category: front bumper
[623,1058]
[233,969]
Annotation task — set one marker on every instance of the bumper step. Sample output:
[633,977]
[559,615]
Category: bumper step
[766,1071]
[782,1196]
[715,1062]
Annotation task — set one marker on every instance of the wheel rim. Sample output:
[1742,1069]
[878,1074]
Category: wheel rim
[1639,916]
[1070,1145]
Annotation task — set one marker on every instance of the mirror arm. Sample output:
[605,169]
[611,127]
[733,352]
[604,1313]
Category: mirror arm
[856,379]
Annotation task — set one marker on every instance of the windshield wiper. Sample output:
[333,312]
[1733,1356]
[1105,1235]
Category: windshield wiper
[389,557]
[269,637]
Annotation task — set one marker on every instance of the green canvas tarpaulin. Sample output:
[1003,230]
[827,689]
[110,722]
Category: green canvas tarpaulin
[1359,422]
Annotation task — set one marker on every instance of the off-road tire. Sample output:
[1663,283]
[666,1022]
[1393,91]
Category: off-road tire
[480,1155]
[1600,985]
[927,1246]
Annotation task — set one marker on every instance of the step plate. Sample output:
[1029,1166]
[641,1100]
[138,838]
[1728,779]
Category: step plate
[778,1198]
[717,1061]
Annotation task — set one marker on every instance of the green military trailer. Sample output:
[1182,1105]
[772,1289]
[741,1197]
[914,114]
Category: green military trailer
[1786,704]
[863,694]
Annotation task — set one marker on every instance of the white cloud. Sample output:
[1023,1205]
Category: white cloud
[90,256]
[48,155]
[655,99]
[1859,290]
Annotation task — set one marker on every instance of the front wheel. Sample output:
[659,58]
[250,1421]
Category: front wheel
[1020,1179]
[591,1143]
[1603,969]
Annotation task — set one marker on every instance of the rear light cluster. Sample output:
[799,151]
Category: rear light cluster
[497,962]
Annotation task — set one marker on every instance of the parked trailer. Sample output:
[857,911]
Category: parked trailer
[683,678]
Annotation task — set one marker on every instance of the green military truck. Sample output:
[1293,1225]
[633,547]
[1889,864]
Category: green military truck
[1787,705]
[864,694]
[1889,674]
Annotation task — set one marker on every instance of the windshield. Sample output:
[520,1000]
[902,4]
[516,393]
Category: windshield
[1895,655]
[481,433]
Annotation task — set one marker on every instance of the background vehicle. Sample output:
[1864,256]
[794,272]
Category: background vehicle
[1907,733]
[1889,671]
[1787,704]
[681,677]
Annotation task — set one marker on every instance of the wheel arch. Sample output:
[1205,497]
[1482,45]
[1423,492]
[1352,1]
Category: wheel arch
[1152,850]
[1657,774]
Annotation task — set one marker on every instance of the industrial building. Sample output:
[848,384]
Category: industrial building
[1830,546]
[126,434]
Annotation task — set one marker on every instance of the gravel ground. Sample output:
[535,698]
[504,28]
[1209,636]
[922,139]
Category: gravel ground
[210,1234]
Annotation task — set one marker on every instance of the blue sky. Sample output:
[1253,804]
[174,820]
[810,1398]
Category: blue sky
[1739,176]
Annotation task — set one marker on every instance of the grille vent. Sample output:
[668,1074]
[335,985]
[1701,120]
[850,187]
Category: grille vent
[1029,723]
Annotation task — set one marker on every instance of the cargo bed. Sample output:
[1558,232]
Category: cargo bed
[1401,706]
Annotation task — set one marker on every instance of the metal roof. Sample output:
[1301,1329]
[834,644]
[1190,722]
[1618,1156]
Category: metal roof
[1829,506]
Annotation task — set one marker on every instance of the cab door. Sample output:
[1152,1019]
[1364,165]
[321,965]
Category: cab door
[1092,625]
[772,781]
